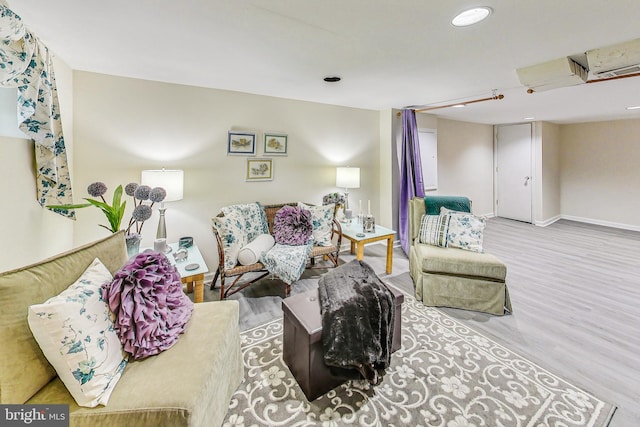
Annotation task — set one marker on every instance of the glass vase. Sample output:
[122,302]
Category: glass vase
[133,244]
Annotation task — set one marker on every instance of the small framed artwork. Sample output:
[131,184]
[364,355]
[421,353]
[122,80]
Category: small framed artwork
[241,143]
[259,170]
[275,144]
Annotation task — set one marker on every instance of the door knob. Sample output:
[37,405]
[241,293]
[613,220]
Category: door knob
[526,180]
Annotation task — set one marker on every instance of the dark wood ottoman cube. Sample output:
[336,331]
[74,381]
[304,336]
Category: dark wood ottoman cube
[302,341]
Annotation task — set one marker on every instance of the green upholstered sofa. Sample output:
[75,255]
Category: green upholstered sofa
[452,277]
[189,384]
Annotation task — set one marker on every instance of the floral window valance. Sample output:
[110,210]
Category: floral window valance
[26,64]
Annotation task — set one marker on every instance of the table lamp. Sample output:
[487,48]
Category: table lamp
[347,177]
[173,183]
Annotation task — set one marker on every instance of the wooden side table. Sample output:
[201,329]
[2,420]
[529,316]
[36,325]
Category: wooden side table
[352,231]
[194,279]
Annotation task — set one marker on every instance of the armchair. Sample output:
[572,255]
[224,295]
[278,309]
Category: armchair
[453,277]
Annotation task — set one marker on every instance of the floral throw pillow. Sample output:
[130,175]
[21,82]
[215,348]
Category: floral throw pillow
[75,331]
[231,229]
[465,230]
[322,220]
[434,229]
[255,219]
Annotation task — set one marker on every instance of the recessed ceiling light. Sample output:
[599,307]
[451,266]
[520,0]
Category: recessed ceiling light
[332,79]
[471,16]
[529,118]
[458,106]
[634,107]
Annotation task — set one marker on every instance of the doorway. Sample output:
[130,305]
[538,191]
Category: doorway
[514,186]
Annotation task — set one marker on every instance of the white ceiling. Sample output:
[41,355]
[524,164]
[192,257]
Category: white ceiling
[390,54]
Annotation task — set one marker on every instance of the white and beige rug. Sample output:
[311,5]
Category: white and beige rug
[445,375]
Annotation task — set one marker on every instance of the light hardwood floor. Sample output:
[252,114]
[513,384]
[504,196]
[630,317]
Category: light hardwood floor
[575,290]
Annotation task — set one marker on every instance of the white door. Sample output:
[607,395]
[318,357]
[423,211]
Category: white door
[513,170]
[429,158]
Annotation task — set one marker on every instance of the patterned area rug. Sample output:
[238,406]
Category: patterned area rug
[444,375]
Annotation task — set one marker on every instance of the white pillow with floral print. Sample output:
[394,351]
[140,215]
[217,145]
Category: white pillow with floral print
[231,229]
[465,230]
[255,219]
[322,220]
[75,332]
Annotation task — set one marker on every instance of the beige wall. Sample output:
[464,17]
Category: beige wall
[550,171]
[465,162]
[600,173]
[29,233]
[546,182]
[388,171]
[125,125]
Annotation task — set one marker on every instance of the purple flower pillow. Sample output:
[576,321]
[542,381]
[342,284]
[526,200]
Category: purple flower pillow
[150,308]
[292,226]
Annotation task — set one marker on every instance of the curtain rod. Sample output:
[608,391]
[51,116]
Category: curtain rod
[491,98]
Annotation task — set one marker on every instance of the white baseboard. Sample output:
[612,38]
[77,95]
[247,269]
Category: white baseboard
[548,222]
[601,222]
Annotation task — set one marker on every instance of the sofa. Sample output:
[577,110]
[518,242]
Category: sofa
[454,277]
[190,384]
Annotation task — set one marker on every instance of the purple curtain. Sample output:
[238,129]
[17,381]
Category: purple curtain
[411,184]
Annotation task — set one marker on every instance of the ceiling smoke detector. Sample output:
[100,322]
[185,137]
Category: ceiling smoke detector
[471,16]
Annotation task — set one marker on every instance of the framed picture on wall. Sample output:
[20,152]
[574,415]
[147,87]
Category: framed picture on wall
[275,144]
[241,143]
[259,170]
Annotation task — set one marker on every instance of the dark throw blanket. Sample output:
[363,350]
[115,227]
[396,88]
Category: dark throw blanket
[357,321]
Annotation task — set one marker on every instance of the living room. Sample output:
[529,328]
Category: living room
[117,126]
[121,126]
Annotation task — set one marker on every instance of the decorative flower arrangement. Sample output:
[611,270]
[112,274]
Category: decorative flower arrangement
[115,211]
[336,198]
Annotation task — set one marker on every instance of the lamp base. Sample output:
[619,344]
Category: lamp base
[161,234]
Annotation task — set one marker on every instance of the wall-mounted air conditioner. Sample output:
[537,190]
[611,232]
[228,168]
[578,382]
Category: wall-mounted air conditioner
[614,61]
[553,74]
[618,72]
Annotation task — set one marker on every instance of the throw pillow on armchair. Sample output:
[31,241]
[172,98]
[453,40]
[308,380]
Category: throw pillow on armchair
[292,226]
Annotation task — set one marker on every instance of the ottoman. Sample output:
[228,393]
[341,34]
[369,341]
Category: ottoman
[302,341]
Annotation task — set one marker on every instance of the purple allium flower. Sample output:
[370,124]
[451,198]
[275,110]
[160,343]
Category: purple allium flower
[142,192]
[130,189]
[97,189]
[141,213]
[157,194]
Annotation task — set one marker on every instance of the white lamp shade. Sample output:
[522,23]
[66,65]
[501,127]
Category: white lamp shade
[171,180]
[347,177]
